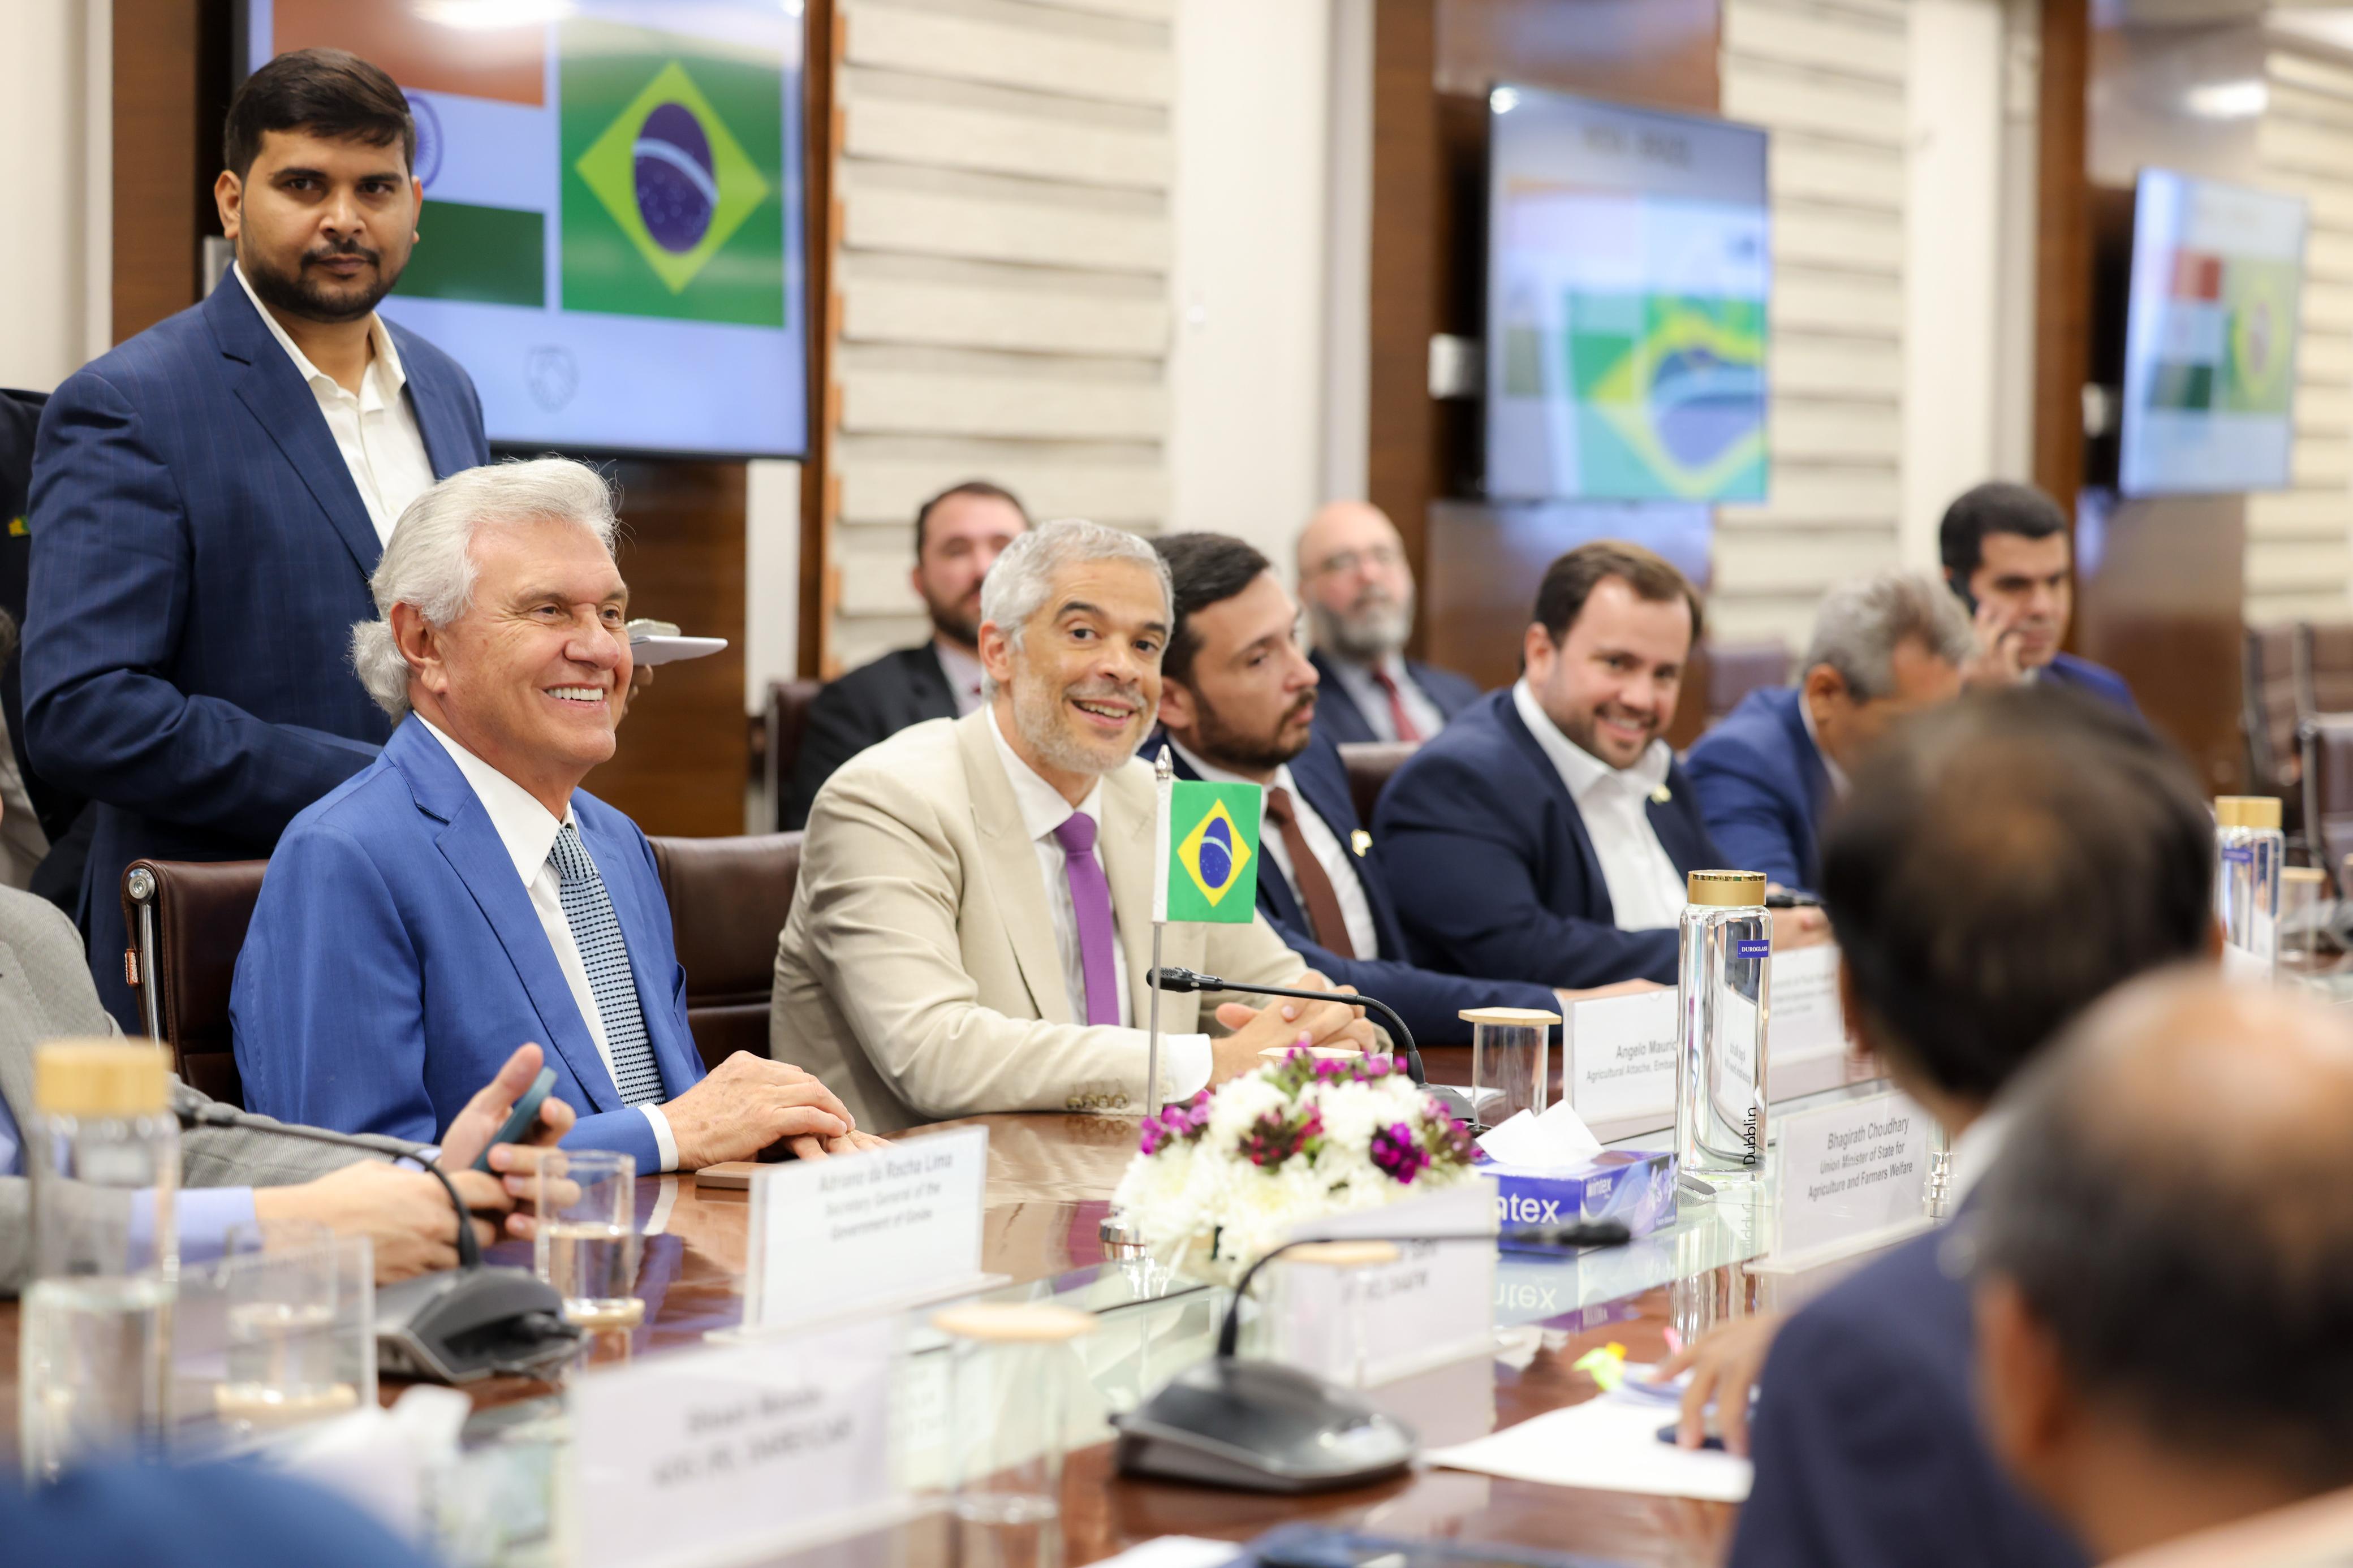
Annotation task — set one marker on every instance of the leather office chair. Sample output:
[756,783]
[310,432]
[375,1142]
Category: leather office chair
[2325,740]
[2325,684]
[1736,668]
[1371,765]
[787,716]
[2271,705]
[728,899]
[187,922]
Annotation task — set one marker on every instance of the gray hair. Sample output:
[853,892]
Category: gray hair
[430,561]
[1861,622]
[1020,578]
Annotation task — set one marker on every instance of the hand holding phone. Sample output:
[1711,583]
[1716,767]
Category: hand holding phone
[521,1119]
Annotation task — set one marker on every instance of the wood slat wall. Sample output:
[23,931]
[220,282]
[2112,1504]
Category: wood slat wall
[1827,78]
[1002,275]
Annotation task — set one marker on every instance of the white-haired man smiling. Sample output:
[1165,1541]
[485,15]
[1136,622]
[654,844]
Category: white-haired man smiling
[971,927]
[463,895]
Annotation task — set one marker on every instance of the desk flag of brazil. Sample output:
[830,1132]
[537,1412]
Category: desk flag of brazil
[1206,867]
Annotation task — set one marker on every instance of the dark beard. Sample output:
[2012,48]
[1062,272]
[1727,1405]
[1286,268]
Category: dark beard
[954,627]
[1229,748]
[297,296]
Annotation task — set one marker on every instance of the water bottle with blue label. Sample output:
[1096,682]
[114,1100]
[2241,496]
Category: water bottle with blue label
[2249,854]
[1722,978]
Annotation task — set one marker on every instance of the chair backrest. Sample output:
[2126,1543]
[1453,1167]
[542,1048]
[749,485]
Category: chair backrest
[787,725]
[2327,742]
[728,899]
[187,922]
[2271,704]
[1371,764]
[2327,675]
[1736,668]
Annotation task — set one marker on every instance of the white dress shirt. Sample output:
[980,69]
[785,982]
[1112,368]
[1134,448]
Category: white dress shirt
[1356,910]
[1184,1059]
[964,672]
[1356,680]
[375,431]
[527,830]
[1646,891]
[1837,773]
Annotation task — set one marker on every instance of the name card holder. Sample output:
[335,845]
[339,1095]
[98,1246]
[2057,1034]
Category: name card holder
[1368,1312]
[1854,1179]
[1619,1067]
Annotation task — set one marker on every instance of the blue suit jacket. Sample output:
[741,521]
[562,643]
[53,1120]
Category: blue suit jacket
[1762,787]
[395,960]
[1430,1002]
[2066,669]
[1493,870]
[198,1517]
[1866,1437]
[1338,717]
[199,555]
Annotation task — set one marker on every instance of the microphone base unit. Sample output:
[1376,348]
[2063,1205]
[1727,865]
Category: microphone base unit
[466,1324]
[1261,1427]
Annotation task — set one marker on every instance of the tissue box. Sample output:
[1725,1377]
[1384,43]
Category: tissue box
[1635,1188]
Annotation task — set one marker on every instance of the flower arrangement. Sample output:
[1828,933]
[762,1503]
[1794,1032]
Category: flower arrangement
[1233,1170]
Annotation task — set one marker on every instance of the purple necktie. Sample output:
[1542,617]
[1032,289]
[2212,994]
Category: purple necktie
[1090,902]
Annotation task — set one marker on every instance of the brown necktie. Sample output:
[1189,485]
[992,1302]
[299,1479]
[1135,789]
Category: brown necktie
[1323,917]
[1405,726]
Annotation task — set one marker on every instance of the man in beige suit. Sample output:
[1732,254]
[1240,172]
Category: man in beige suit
[973,922]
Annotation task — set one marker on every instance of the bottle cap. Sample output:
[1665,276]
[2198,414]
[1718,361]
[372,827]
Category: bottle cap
[1728,889]
[100,1078]
[2246,810]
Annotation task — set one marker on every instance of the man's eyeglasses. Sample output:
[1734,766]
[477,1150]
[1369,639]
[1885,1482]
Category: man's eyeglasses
[1342,562]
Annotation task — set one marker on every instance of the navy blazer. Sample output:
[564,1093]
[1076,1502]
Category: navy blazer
[395,960]
[1430,1002]
[2066,669]
[1763,788]
[1494,871]
[194,1517]
[199,555]
[1866,1436]
[1338,715]
[865,708]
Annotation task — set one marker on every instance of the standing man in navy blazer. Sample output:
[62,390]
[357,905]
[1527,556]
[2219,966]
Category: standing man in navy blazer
[2007,554]
[463,895]
[209,498]
[1358,591]
[1883,646]
[1546,834]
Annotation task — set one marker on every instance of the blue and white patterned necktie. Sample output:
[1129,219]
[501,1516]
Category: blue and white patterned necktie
[597,934]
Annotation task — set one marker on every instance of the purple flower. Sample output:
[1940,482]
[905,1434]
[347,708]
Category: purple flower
[1277,1135]
[1179,1123]
[1399,1153]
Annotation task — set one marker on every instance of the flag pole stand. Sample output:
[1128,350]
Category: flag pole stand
[1163,770]
[1152,1054]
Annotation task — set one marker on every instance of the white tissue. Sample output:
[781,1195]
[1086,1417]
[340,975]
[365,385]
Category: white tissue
[1558,1139]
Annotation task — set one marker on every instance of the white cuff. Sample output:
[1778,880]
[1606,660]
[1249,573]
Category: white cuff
[1185,1064]
[664,1144]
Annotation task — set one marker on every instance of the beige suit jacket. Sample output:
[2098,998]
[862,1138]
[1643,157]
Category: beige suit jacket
[918,973]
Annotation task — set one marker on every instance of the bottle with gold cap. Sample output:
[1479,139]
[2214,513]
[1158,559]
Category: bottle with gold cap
[102,1148]
[1721,995]
[2249,854]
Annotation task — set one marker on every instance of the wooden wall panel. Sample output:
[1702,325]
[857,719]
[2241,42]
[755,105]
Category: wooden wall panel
[171,91]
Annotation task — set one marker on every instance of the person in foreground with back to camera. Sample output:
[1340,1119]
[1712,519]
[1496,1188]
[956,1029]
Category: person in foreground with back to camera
[1358,592]
[2008,556]
[972,927]
[1883,646]
[1546,836]
[2001,864]
[2164,1267]
[464,894]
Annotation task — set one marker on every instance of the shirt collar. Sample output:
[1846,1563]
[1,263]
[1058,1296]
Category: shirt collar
[1216,774]
[385,362]
[1976,1150]
[1806,717]
[521,824]
[1579,769]
[1044,809]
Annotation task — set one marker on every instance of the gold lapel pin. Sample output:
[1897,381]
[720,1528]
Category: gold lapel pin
[1360,841]
[1661,795]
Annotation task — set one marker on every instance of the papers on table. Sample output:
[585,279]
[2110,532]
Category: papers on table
[1608,1444]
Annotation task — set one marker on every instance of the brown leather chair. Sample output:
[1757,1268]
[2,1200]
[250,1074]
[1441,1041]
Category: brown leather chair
[2272,704]
[2325,685]
[2325,740]
[187,922]
[1736,668]
[1370,765]
[787,716]
[728,898]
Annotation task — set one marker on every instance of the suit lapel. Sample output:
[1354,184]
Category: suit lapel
[1323,778]
[447,440]
[1597,887]
[1130,814]
[1009,861]
[1673,820]
[16,1054]
[934,698]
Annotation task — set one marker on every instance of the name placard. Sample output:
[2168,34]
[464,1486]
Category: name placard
[1852,1173]
[1806,1022]
[1622,1056]
[1378,1322]
[683,1459]
[892,1227]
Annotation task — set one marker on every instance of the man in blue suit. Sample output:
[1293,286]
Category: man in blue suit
[209,498]
[1883,646]
[2047,840]
[463,895]
[2007,554]
[1546,834]
[1358,591]
[1238,702]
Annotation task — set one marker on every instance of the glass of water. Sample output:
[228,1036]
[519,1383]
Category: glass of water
[586,1246]
[283,1289]
[1011,1367]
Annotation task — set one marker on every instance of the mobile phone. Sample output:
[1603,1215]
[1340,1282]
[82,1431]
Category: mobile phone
[1783,899]
[1713,1443]
[521,1119]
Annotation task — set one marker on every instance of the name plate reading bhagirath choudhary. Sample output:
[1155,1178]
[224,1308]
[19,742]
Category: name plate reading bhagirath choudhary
[1853,1172]
[890,1228]
[732,1455]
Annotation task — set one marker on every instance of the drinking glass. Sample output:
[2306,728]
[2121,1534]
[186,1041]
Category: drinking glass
[1511,1070]
[2304,910]
[1009,1371]
[586,1242]
[284,1287]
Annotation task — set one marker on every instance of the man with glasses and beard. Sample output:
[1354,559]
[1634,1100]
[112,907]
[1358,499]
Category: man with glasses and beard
[1358,592]
[210,498]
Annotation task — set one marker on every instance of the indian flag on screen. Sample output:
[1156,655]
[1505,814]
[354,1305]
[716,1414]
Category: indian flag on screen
[1205,865]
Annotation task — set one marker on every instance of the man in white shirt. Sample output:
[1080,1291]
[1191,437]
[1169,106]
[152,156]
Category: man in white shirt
[972,926]
[463,894]
[1358,590]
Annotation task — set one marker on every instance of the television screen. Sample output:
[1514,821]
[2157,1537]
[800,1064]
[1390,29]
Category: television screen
[2209,338]
[1627,274]
[611,237]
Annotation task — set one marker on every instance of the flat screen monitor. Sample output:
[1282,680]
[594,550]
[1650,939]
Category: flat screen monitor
[611,242]
[1627,279]
[2209,338]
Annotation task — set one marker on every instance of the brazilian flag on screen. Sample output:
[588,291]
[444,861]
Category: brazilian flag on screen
[1207,866]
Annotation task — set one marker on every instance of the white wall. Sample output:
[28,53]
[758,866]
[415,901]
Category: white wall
[56,185]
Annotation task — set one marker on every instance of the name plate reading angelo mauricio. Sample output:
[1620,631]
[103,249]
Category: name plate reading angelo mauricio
[1365,1322]
[1853,1175]
[733,1455]
[880,1231]
[1622,1056]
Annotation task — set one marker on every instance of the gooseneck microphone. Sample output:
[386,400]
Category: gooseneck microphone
[1173,978]
[216,1114]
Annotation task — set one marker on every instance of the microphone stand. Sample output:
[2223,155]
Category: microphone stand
[1175,979]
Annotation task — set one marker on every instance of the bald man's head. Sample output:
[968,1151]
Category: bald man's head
[2169,1236]
[1355,583]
